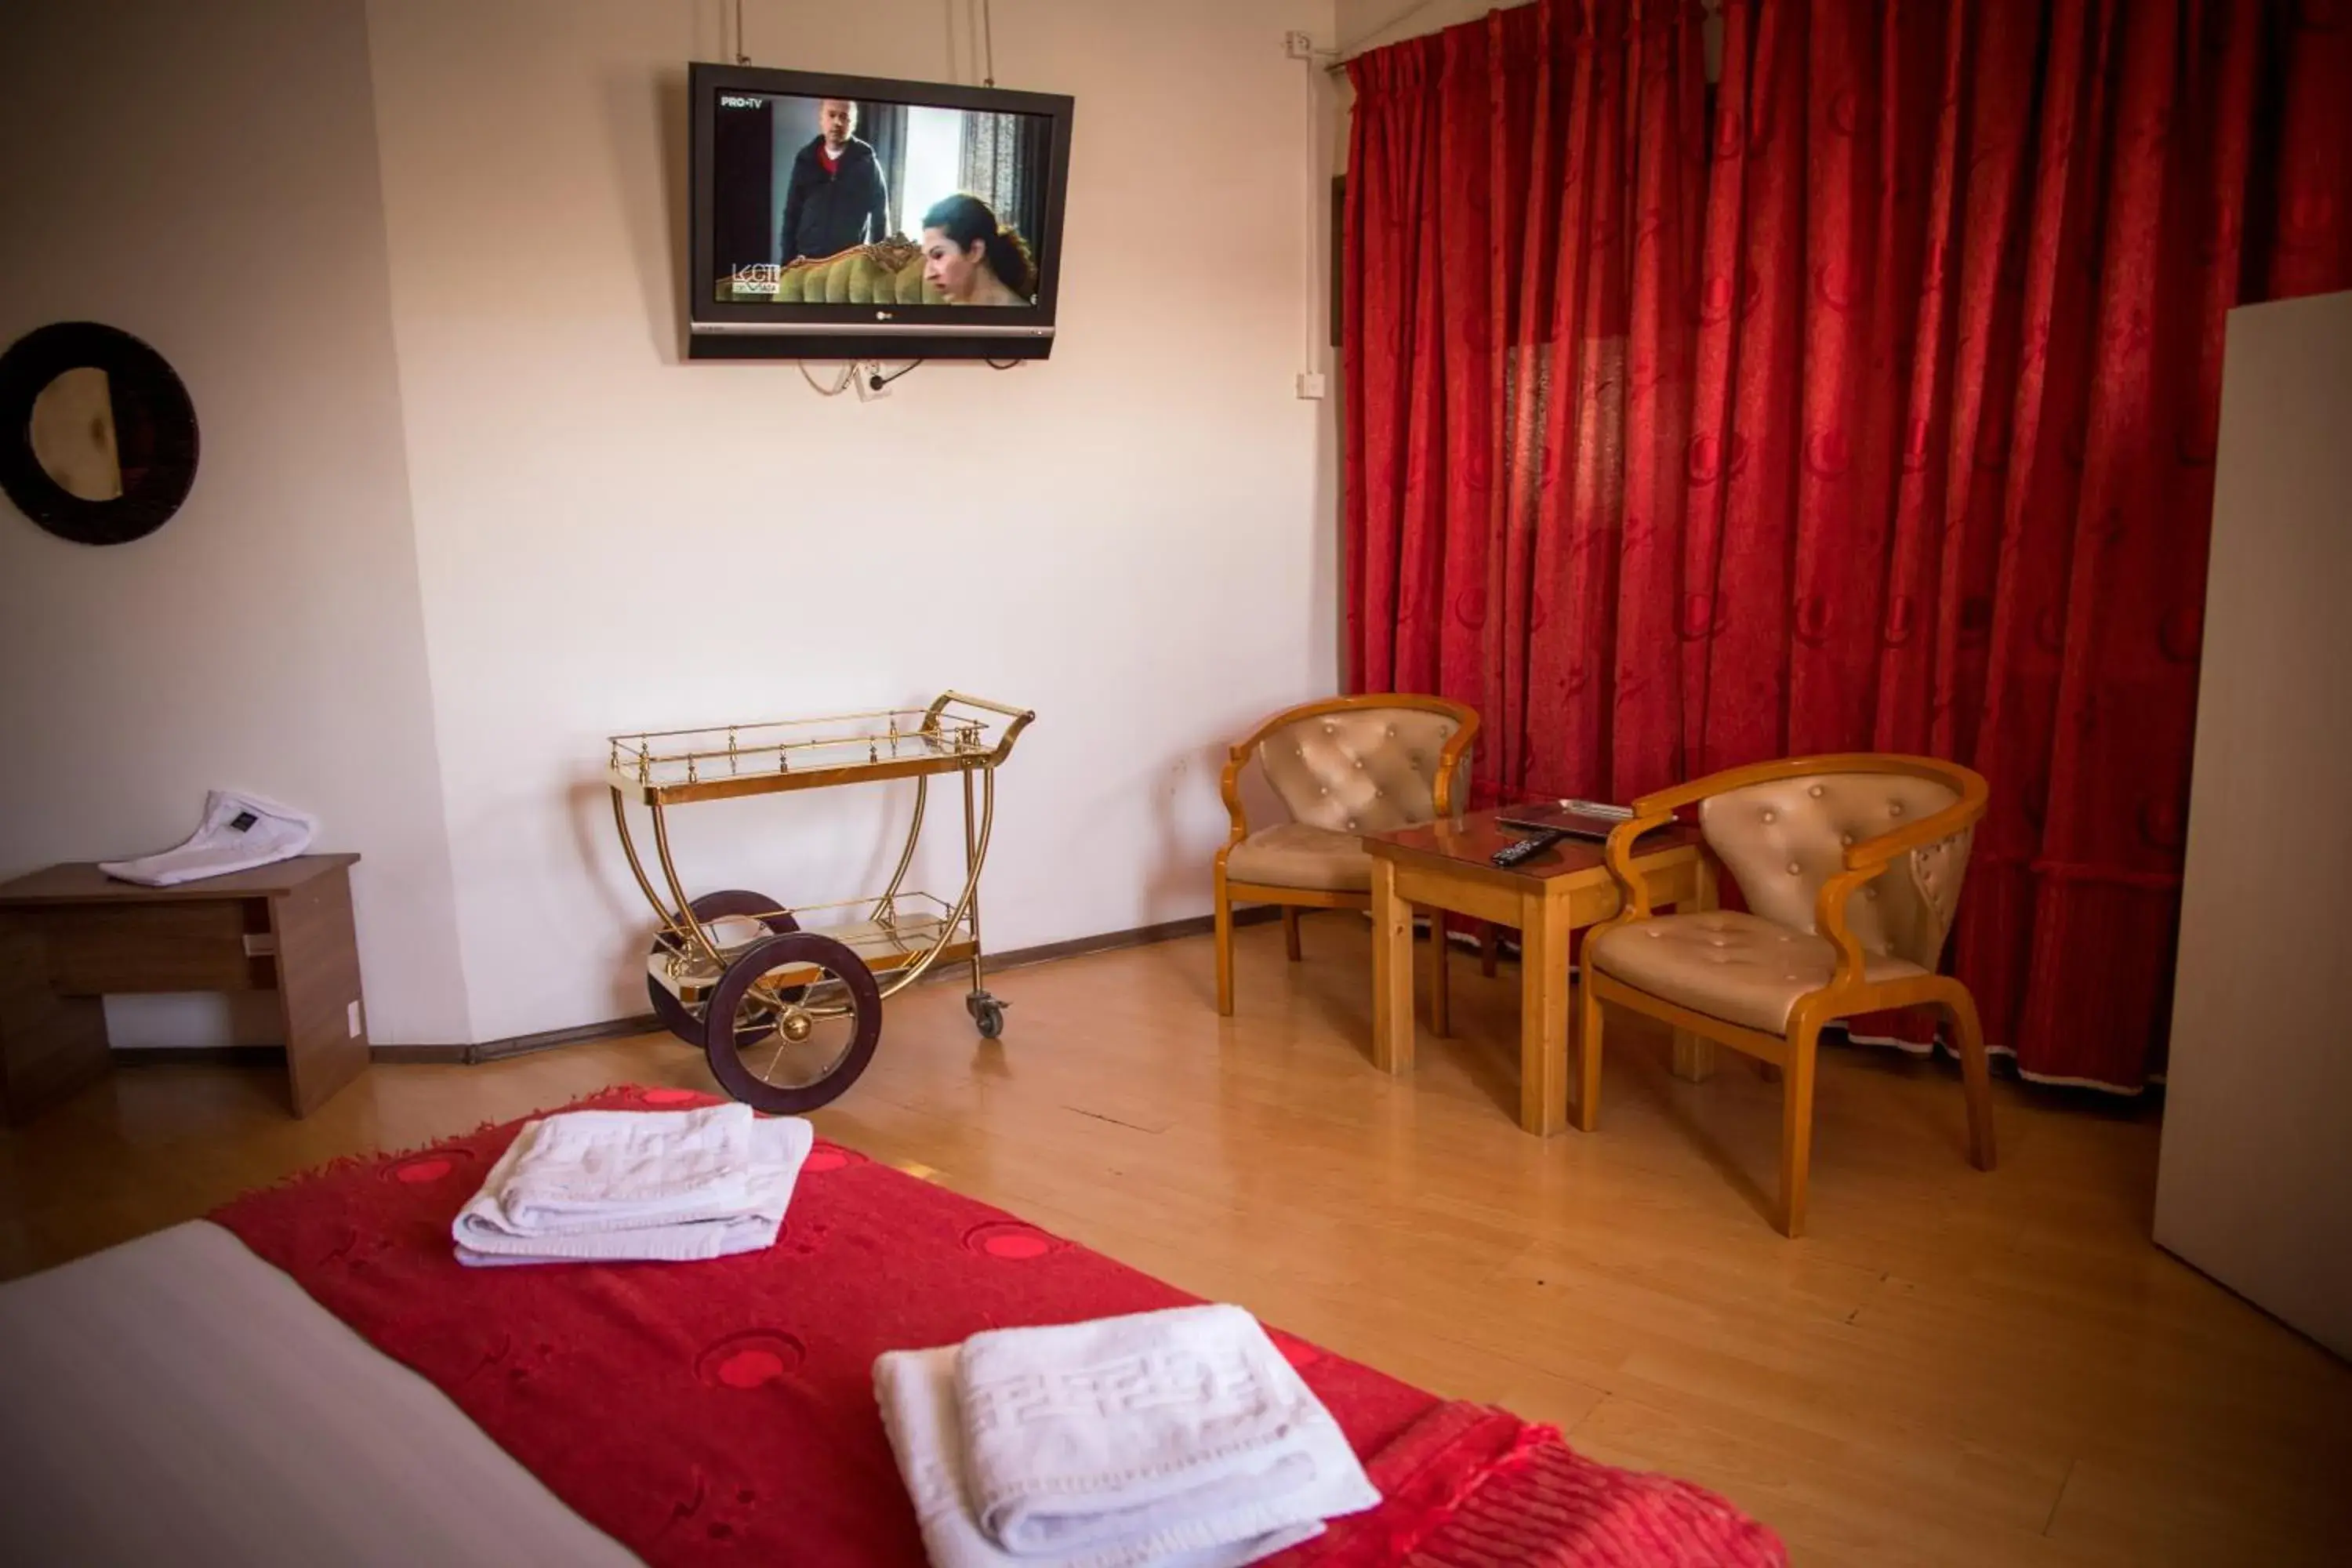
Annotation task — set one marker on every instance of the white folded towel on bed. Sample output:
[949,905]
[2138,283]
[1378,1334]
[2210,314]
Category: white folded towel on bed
[618,1185]
[1173,1436]
[916,1392]
[238,833]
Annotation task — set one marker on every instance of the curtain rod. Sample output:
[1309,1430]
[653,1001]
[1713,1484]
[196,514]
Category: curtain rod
[1336,61]
[1346,52]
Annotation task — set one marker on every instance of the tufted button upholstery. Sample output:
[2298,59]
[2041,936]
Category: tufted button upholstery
[1729,965]
[1366,770]
[1295,855]
[1782,840]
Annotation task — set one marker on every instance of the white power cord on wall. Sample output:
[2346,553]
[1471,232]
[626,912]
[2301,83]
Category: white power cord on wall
[840,384]
[1312,381]
[866,374]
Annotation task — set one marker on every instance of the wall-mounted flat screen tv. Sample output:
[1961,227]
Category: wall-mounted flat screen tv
[851,217]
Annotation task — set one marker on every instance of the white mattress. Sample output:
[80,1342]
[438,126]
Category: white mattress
[177,1400]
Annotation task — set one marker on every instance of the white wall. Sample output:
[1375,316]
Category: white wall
[1135,537]
[205,177]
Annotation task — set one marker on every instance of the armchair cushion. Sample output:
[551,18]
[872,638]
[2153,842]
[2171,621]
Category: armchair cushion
[1738,967]
[1782,839]
[1296,854]
[1366,770]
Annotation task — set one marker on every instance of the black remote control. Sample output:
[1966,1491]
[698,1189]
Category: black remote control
[1534,844]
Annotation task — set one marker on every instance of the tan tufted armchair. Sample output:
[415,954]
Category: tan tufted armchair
[1851,867]
[1342,768]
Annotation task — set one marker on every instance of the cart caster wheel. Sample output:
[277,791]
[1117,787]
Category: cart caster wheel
[733,902]
[791,1049]
[987,1014]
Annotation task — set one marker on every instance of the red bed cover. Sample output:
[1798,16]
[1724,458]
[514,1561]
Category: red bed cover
[724,1412]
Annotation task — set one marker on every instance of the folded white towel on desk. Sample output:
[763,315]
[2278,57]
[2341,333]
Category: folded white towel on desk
[1179,1436]
[238,833]
[617,1185]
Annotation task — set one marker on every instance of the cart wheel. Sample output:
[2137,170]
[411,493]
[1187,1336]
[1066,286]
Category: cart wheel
[791,1049]
[732,903]
[987,1014]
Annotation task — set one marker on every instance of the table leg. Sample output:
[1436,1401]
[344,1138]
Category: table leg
[1694,1055]
[1441,978]
[1392,972]
[1544,926]
[319,990]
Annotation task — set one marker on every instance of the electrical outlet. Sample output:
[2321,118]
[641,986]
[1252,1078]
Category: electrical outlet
[866,374]
[1313,383]
[351,1017]
[1297,45]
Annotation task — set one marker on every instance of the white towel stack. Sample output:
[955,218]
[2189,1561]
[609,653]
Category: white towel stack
[636,1187]
[1175,1438]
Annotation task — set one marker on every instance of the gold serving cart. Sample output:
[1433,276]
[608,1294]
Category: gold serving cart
[788,1016]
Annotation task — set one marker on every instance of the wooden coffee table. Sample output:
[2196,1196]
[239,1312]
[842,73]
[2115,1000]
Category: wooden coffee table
[1445,865]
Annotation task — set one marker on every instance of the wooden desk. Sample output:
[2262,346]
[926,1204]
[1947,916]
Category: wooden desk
[1445,866]
[72,935]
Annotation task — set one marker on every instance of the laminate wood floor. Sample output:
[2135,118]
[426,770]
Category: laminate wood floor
[1953,1367]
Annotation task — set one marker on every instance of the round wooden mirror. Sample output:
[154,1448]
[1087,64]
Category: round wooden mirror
[98,439]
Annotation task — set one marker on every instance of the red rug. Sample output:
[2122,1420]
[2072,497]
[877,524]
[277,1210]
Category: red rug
[724,1412]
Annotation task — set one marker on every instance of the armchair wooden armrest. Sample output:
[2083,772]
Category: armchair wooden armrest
[1866,860]
[1229,786]
[1656,809]
[1237,757]
[1449,768]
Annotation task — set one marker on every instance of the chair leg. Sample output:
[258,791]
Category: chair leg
[1976,1075]
[1440,978]
[1588,1053]
[1490,947]
[1224,943]
[1797,1126]
[1290,932]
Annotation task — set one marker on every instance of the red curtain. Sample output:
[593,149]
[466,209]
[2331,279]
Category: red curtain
[1870,408]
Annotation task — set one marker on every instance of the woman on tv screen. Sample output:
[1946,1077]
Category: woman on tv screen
[973,259]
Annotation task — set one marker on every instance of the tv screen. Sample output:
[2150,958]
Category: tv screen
[848,218]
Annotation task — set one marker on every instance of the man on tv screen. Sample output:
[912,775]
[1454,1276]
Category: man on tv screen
[837,197]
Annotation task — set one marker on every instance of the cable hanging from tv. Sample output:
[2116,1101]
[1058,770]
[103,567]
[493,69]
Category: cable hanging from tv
[840,384]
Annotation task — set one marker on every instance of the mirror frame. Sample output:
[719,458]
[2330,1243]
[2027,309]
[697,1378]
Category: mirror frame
[143,383]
